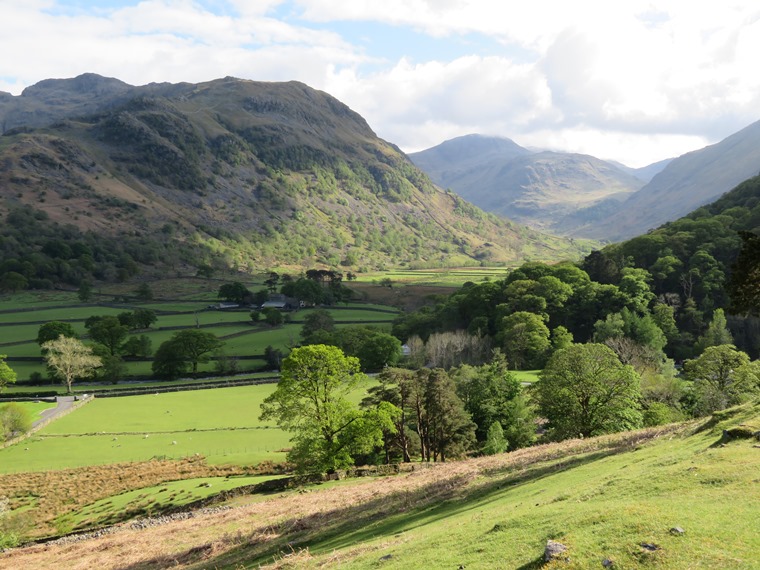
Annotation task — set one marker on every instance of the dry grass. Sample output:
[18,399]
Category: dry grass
[53,493]
[279,527]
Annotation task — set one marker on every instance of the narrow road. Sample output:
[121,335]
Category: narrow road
[64,403]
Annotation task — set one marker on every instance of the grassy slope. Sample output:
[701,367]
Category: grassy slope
[602,497]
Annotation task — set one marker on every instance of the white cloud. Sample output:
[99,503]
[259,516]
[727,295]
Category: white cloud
[626,80]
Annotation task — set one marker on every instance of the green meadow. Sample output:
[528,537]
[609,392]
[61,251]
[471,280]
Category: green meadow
[242,337]
[432,277]
[613,502]
[221,424]
[156,499]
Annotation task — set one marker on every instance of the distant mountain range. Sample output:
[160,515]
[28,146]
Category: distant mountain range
[240,174]
[553,191]
[582,196]
[686,183]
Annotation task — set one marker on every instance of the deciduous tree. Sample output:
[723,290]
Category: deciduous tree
[719,379]
[311,402]
[7,375]
[70,359]
[185,349]
[53,330]
[14,420]
[585,391]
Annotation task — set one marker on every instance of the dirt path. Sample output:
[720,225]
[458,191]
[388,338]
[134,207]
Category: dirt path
[64,403]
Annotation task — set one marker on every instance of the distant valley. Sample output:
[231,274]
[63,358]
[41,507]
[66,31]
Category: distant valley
[582,196]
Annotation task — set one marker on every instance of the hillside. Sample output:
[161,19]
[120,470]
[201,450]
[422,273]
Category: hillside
[687,182]
[662,497]
[232,174]
[553,191]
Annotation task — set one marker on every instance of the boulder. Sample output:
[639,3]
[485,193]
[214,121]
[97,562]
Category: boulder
[554,551]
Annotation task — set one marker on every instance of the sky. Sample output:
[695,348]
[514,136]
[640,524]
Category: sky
[627,80]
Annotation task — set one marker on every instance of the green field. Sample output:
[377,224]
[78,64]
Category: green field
[152,500]
[440,277]
[221,424]
[528,376]
[252,340]
[604,501]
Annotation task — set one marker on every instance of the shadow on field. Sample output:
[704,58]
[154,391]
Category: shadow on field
[385,516]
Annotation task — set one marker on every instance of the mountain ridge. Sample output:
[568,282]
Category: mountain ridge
[543,189]
[243,174]
[686,183]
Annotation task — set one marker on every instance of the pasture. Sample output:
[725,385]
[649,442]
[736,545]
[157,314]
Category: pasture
[220,424]
[245,341]
[452,276]
[153,500]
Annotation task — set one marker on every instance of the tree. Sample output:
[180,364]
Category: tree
[525,338]
[717,333]
[140,346]
[306,290]
[273,317]
[14,420]
[317,320]
[396,386]
[144,292]
[450,431]
[273,357]
[70,359]
[85,291]
[12,281]
[184,350]
[53,330]
[311,402]
[112,367]
[585,391]
[234,292]
[169,362]
[272,281]
[141,319]
[379,350]
[109,332]
[7,375]
[491,393]
[495,440]
[561,338]
[719,378]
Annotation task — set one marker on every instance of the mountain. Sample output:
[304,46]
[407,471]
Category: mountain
[645,173]
[227,173]
[457,157]
[549,190]
[686,183]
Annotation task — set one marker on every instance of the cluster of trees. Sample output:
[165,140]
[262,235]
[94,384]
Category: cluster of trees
[314,287]
[539,310]
[374,348]
[431,414]
[69,359]
[37,253]
[183,352]
[112,340]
